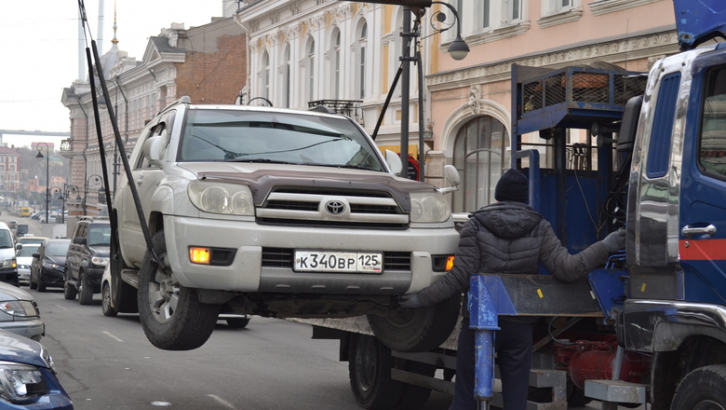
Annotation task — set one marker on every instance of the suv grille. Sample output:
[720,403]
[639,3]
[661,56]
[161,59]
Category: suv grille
[283,258]
[332,208]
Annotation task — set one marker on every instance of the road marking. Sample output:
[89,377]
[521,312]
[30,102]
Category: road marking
[222,401]
[61,307]
[160,403]
[112,336]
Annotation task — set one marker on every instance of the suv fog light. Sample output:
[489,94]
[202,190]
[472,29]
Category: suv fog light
[199,255]
[442,263]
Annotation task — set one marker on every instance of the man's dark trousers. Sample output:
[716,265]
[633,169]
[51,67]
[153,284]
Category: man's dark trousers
[514,358]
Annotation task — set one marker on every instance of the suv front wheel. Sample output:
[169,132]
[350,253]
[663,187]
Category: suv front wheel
[171,315]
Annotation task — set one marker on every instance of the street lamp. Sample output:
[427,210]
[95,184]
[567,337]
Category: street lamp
[47,175]
[95,178]
[458,49]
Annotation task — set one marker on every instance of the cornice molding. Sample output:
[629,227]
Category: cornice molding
[655,45]
[497,34]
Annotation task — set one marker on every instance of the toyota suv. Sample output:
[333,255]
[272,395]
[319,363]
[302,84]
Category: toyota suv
[278,213]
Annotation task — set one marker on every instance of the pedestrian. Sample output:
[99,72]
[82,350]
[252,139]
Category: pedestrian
[507,237]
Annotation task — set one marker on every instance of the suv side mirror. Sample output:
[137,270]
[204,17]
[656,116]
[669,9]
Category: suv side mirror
[452,175]
[153,148]
[394,162]
[79,240]
[19,246]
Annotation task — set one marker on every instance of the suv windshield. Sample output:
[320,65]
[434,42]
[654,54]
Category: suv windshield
[6,239]
[250,136]
[99,235]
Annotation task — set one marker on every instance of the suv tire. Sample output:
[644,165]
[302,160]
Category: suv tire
[190,325]
[69,291]
[106,307]
[85,290]
[417,330]
[238,322]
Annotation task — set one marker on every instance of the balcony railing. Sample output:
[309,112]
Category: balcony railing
[65,145]
[351,108]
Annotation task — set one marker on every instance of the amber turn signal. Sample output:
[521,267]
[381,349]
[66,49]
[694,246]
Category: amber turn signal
[199,255]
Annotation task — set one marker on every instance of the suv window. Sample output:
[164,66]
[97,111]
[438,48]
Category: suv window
[28,249]
[99,235]
[235,135]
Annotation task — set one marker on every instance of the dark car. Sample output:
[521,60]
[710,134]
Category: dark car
[29,377]
[13,225]
[49,264]
[87,257]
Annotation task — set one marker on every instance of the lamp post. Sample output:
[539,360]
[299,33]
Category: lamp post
[95,178]
[47,175]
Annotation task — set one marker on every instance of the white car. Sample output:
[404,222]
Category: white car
[279,213]
[24,256]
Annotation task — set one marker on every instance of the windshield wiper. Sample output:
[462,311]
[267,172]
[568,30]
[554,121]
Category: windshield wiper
[290,150]
[227,153]
[262,160]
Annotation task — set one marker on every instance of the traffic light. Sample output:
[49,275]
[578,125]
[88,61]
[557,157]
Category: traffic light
[406,3]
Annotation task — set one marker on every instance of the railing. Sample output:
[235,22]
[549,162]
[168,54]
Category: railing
[351,108]
[65,145]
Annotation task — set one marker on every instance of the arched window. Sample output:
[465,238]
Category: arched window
[479,157]
[265,74]
[311,70]
[286,98]
[362,46]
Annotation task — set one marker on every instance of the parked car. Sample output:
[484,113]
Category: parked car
[13,225]
[35,215]
[8,263]
[29,380]
[87,257]
[49,264]
[21,230]
[24,257]
[52,219]
[233,320]
[19,313]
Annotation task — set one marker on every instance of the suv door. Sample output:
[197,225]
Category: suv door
[75,252]
[146,177]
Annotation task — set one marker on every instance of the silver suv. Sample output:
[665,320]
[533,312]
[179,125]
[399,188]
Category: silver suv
[277,213]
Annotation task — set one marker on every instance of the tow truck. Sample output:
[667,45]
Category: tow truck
[650,326]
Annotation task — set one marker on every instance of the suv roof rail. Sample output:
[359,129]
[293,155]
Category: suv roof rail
[184,100]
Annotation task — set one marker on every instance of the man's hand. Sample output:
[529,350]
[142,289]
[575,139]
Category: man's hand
[411,301]
[615,241]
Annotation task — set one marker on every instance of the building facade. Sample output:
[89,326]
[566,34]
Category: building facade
[9,169]
[206,63]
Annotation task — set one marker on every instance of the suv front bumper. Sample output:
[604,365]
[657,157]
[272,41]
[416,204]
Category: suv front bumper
[246,273]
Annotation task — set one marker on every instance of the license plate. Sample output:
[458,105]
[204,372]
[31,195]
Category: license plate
[338,261]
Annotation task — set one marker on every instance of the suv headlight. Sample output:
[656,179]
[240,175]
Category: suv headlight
[9,263]
[97,260]
[21,382]
[221,198]
[22,308]
[429,207]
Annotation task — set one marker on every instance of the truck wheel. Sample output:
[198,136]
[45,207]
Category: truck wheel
[417,330]
[69,291]
[415,397]
[106,307]
[237,322]
[171,315]
[369,369]
[702,389]
[85,290]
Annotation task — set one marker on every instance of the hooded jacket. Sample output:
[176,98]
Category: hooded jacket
[510,238]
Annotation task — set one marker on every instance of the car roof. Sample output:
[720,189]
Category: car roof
[32,239]
[50,241]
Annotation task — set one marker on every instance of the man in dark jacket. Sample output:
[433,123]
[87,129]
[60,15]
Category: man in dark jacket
[507,237]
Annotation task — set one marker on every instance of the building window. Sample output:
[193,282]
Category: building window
[479,150]
[286,76]
[311,70]
[486,14]
[362,42]
[336,64]
[265,74]
[512,10]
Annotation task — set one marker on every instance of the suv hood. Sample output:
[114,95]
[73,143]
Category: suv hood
[263,177]
[99,251]
[7,253]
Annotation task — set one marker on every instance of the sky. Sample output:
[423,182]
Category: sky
[39,52]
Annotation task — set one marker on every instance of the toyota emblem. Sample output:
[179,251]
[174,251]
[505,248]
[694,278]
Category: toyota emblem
[335,207]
